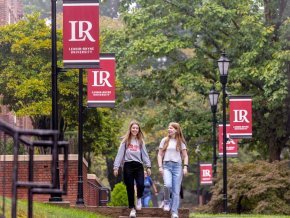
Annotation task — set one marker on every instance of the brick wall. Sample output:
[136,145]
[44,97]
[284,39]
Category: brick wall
[42,174]
[2,12]
[93,185]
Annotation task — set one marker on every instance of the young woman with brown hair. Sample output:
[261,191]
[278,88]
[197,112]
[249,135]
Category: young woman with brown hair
[172,150]
[133,153]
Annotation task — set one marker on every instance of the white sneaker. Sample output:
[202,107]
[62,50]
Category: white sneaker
[132,213]
[166,207]
[174,215]
[161,204]
[139,204]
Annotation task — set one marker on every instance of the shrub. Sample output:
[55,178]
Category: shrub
[119,195]
[258,187]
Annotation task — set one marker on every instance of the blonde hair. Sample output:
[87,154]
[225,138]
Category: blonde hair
[178,136]
[128,136]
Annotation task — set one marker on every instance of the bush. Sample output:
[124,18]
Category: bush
[119,195]
[258,187]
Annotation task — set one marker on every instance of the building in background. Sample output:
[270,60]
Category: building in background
[9,116]
[10,11]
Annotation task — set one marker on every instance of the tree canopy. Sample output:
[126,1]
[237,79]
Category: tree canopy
[166,53]
[171,53]
[25,60]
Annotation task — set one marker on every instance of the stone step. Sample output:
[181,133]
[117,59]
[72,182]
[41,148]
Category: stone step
[138,217]
[152,212]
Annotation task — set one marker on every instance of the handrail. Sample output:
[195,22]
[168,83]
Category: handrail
[19,136]
[11,130]
[4,179]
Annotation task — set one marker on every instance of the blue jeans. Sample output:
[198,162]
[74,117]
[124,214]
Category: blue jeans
[145,200]
[172,177]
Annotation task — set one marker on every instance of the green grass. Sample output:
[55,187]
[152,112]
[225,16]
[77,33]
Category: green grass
[50,211]
[195,215]
[41,210]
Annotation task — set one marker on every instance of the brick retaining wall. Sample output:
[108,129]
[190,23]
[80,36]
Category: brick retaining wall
[42,173]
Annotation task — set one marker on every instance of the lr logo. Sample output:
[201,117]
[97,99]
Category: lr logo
[101,78]
[241,116]
[206,173]
[83,32]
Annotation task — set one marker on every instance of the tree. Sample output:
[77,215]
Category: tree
[26,85]
[119,195]
[25,53]
[26,74]
[172,47]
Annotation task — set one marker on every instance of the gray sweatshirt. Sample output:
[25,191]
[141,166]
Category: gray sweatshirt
[132,153]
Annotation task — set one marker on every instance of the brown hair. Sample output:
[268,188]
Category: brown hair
[128,136]
[178,135]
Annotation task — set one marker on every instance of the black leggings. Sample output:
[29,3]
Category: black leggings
[133,171]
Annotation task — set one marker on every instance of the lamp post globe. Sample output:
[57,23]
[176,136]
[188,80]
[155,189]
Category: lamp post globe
[223,65]
[213,100]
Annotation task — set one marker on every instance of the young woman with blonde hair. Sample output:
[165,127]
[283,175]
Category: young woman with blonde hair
[132,152]
[172,150]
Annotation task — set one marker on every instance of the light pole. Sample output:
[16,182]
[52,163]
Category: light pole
[213,100]
[223,64]
[54,197]
[80,195]
[197,151]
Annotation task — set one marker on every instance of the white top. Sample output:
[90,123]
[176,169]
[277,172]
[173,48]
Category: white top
[171,154]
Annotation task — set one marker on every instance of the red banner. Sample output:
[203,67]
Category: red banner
[231,145]
[205,174]
[81,33]
[240,116]
[101,83]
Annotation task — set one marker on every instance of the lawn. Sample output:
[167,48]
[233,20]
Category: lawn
[46,211]
[50,211]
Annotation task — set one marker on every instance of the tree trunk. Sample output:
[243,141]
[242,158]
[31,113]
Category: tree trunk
[274,152]
[267,11]
[274,12]
[287,102]
[42,122]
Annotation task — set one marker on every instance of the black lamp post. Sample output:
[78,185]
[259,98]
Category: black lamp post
[80,195]
[213,100]
[197,151]
[54,197]
[223,64]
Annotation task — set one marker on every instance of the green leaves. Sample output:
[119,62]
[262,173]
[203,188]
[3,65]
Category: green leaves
[25,82]
[258,187]
[119,195]
[25,66]
[255,42]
